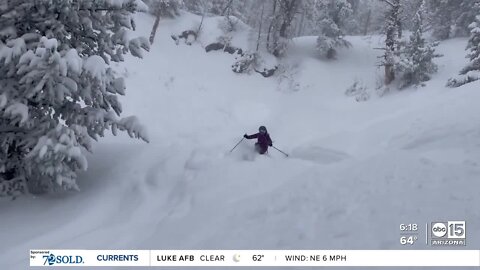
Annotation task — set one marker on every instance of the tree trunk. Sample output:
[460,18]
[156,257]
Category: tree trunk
[260,27]
[289,9]
[394,31]
[367,23]
[400,29]
[155,26]
[270,27]
[200,26]
[227,7]
[300,26]
[389,74]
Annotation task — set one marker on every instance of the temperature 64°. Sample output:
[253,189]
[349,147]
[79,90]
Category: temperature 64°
[408,240]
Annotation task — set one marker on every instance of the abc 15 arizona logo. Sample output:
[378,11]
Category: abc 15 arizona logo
[448,233]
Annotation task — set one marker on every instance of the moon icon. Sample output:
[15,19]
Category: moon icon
[236,257]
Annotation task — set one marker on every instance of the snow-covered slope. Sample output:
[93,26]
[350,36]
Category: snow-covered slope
[356,171]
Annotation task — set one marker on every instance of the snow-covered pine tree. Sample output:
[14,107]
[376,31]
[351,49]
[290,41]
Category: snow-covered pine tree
[451,18]
[441,17]
[227,8]
[360,21]
[57,90]
[194,6]
[279,31]
[232,11]
[331,17]
[205,7]
[216,7]
[392,31]
[416,58]
[162,8]
[260,16]
[471,72]
[468,10]
[362,16]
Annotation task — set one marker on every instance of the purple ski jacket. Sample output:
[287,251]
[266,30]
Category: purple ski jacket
[263,140]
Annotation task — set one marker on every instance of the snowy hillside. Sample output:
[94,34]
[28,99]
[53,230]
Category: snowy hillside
[356,169]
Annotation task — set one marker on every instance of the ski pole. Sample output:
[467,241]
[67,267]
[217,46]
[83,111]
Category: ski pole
[280,151]
[237,144]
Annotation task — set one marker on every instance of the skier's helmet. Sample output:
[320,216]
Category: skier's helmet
[262,129]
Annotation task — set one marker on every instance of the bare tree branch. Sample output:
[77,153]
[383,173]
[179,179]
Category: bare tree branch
[388,2]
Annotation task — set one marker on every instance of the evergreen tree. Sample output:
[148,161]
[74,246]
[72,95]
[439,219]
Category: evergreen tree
[333,14]
[471,72]
[416,59]
[206,7]
[451,18]
[365,17]
[441,17]
[279,32]
[162,8]
[57,91]
[393,33]
[195,6]
[467,11]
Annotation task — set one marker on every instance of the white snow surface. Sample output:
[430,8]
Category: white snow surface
[356,169]
[95,65]
[12,49]
[17,110]
[74,61]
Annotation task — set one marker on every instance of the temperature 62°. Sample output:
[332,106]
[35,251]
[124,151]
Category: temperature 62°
[257,258]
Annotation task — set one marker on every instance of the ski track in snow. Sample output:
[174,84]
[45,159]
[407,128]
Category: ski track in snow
[356,170]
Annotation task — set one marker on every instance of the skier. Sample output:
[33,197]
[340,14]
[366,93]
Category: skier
[263,140]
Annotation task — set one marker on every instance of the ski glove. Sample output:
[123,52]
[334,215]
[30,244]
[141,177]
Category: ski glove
[245,136]
[270,144]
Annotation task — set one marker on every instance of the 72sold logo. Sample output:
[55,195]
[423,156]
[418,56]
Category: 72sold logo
[66,259]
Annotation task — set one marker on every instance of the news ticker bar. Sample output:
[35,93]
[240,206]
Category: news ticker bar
[183,258]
